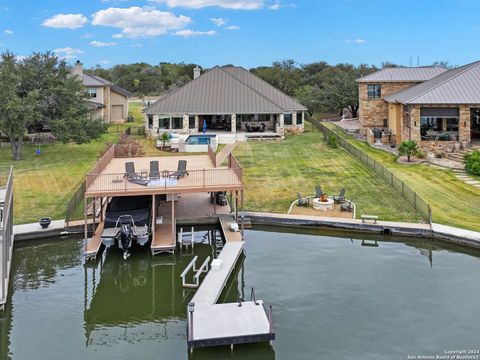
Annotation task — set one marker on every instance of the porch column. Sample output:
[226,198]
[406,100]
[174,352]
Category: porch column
[185,123]
[197,123]
[281,125]
[234,124]
[155,125]
[294,119]
[464,133]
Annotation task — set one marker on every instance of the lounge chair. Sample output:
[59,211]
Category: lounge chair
[341,197]
[302,201]
[154,171]
[347,206]
[318,192]
[132,176]
[181,171]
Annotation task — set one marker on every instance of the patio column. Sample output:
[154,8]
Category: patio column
[294,119]
[234,124]
[185,123]
[155,124]
[464,134]
[197,122]
[281,125]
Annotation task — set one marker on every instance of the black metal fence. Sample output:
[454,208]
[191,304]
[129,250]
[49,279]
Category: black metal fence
[75,202]
[135,130]
[420,205]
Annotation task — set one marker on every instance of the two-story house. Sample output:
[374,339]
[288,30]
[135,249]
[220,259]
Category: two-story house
[106,100]
[433,106]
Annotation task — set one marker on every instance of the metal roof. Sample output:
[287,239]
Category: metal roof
[456,86]
[225,90]
[90,80]
[403,74]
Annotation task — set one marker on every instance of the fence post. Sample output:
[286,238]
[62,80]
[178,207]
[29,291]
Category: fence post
[403,184]
[415,200]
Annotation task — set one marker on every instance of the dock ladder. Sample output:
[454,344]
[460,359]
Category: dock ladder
[197,272]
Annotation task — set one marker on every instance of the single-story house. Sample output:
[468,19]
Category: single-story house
[106,100]
[433,106]
[229,99]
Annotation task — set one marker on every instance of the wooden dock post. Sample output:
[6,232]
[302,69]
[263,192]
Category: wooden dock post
[85,216]
[242,213]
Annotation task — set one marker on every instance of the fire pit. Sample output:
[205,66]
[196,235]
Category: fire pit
[324,203]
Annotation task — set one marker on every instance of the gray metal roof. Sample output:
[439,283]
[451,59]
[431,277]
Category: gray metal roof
[403,74]
[225,90]
[456,86]
[90,80]
[91,105]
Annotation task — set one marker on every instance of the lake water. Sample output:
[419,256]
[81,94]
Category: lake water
[333,297]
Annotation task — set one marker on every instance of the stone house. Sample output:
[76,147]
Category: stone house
[435,107]
[225,99]
[106,100]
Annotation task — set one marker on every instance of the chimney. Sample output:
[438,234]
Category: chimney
[196,72]
[78,69]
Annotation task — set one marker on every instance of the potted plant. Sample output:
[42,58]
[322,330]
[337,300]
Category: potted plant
[44,222]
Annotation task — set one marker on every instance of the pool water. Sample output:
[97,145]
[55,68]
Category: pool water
[333,297]
[199,139]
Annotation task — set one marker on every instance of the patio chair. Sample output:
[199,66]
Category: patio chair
[181,170]
[154,171]
[347,206]
[318,192]
[302,201]
[340,198]
[132,176]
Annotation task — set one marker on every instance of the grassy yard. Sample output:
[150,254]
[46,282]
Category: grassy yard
[275,171]
[452,201]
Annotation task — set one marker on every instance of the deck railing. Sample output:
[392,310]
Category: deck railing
[6,231]
[208,179]
[235,165]
[101,164]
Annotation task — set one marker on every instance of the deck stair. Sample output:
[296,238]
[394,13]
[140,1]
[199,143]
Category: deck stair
[458,155]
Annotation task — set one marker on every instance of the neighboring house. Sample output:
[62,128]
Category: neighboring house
[106,99]
[430,105]
[225,99]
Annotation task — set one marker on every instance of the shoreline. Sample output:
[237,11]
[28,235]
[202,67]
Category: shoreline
[444,233]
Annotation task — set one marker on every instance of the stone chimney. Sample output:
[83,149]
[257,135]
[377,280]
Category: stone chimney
[78,69]
[196,72]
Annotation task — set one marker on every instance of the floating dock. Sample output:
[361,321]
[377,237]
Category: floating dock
[212,324]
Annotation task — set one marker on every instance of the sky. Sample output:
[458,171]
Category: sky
[246,33]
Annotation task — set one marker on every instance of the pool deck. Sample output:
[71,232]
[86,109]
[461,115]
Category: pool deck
[215,324]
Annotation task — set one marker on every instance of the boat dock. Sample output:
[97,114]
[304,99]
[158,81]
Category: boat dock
[212,324]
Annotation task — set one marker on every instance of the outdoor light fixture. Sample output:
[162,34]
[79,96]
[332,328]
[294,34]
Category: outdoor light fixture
[191,307]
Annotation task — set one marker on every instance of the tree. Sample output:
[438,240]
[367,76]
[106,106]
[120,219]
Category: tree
[164,138]
[408,148]
[284,75]
[17,108]
[40,90]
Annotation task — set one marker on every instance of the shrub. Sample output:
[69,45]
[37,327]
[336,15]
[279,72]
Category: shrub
[421,154]
[128,147]
[472,162]
[408,148]
[332,141]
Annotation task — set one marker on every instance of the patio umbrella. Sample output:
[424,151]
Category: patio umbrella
[204,125]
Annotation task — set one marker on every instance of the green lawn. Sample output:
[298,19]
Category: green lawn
[275,171]
[452,201]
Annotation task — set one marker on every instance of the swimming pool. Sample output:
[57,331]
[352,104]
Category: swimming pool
[198,143]
[200,139]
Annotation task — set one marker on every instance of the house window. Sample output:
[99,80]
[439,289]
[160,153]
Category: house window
[177,122]
[299,118]
[164,122]
[150,121]
[287,119]
[374,91]
[191,122]
[92,93]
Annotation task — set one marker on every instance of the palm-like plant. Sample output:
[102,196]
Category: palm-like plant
[165,138]
[408,148]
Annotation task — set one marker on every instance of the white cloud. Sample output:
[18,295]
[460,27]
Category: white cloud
[66,21]
[275,6]
[67,53]
[190,33]
[137,22]
[219,21]
[102,44]
[105,62]
[226,4]
[233,27]
[87,36]
[136,45]
[8,32]
[357,41]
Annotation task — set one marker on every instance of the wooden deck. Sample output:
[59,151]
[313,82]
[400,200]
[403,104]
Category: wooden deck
[94,243]
[164,237]
[202,176]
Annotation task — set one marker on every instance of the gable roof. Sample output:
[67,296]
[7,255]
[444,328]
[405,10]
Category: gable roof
[224,90]
[403,74]
[456,86]
[90,80]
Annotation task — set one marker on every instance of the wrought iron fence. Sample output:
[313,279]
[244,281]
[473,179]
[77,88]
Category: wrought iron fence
[412,197]
[135,130]
[75,202]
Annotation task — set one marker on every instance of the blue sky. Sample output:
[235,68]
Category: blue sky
[244,32]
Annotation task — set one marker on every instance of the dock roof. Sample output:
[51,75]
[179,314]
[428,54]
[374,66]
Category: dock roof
[225,90]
